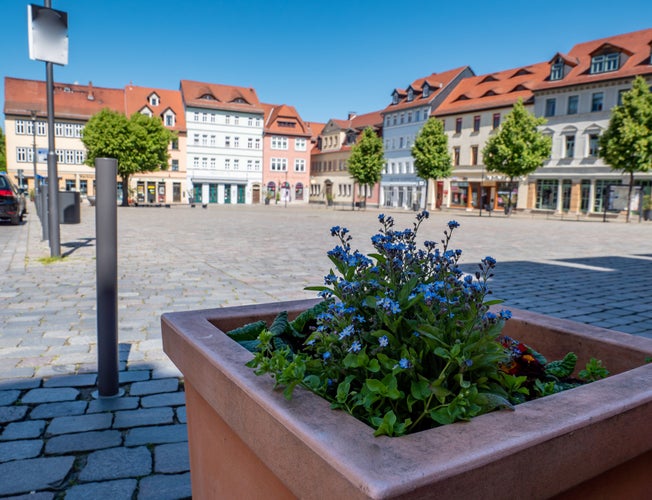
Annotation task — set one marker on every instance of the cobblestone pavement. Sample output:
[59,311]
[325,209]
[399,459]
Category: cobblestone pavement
[56,441]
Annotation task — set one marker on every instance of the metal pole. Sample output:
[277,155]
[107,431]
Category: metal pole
[53,176]
[106,244]
[33,113]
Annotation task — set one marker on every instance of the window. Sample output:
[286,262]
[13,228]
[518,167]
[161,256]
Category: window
[620,97]
[174,144]
[409,116]
[410,95]
[213,163]
[394,119]
[597,101]
[236,120]
[169,119]
[395,98]
[474,155]
[204,162]
[573,102]
[195,162]
[257,165]
[570,146]
[250,143]
[456,156]
[594,144]
[250,121]
[417,115]
[204,140]
[196,116]
[299,165]
[227,142]
[458,125]
[605,62]
[426,90]
[227,119]
[21,127]
[300,144]
[195,140]
[476,123]
[41,128]
[279,164]
[279,142]
[227,164]
[236,164]
[175,166]
[557,70]
[547,194]
[550,107]
[402,118]
[400,143]
[212,117]
[213,140]
[58,129]
[21,154]
[204,117]
[236,142]
[250,164]
[387,120]
[257,141]
[154,100]
[495,121]
[80,157]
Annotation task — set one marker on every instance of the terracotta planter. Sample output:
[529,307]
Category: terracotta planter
[247,441]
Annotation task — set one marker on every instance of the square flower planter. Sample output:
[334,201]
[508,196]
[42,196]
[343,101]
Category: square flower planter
[248,441]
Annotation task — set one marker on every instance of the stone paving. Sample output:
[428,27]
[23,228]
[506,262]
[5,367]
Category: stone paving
[57,441]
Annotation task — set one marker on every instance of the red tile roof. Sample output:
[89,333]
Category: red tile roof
[284,120]
[634,46]
[436,82]
[136,98]
[494,90]
[218,96]
[71,101]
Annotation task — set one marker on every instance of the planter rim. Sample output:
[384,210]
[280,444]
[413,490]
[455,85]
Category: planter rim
[385,467]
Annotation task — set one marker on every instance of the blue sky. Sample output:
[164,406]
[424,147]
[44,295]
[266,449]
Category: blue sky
[326,58]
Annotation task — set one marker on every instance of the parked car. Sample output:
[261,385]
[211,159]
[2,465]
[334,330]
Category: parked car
[12,200]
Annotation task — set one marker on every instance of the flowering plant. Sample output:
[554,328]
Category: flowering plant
[403,339]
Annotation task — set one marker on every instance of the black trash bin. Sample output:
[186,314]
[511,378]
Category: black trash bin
[69,207]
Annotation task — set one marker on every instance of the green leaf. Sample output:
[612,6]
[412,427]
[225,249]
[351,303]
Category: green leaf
[376,386]
[280,324]
[250,331]
[420,390]
[386,425]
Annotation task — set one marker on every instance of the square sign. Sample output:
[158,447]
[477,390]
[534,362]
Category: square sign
[47,33]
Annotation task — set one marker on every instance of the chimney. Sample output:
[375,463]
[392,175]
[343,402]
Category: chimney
[91,96]
[352,115]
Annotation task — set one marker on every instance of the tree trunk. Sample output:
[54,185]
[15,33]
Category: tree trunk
[125,191]
[425,198]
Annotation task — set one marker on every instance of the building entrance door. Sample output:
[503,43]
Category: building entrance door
[241,193]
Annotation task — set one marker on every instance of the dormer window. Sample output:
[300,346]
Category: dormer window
[395,98]
[426,90]
[557,70]
[154,100]
[208,97]
[169,118]
[410,95]
[604,63]
[146,111]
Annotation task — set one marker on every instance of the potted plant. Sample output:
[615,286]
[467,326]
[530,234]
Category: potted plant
[247,440]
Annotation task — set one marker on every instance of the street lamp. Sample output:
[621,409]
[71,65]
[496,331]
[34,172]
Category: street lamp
[33,114]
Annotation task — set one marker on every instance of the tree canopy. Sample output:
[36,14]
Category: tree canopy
[366,161]
[139,143]
[626,145]
[3,152]
[518,148]
[430,152]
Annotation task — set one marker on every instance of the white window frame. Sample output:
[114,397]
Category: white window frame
[300,144]
[299,165]
[278,164]
[279,142]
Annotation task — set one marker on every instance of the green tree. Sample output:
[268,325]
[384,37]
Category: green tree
[518,148]
[366,160]
[430,152]
[3,152]
[627,143]
[139,143]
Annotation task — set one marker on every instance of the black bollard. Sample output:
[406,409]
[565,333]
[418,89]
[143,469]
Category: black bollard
[106,244]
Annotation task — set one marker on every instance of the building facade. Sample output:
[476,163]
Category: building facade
[576,99]
[471,114]
[330,181]
[286,153]
[26,130]
[167,185]
[402,120]
[225,143]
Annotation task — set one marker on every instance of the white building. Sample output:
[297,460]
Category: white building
[225,142]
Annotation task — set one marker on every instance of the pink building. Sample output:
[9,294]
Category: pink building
[286,155]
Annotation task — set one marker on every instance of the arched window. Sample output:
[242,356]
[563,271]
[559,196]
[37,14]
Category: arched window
[298,191]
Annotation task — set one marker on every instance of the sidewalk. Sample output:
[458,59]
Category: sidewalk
[59,442]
